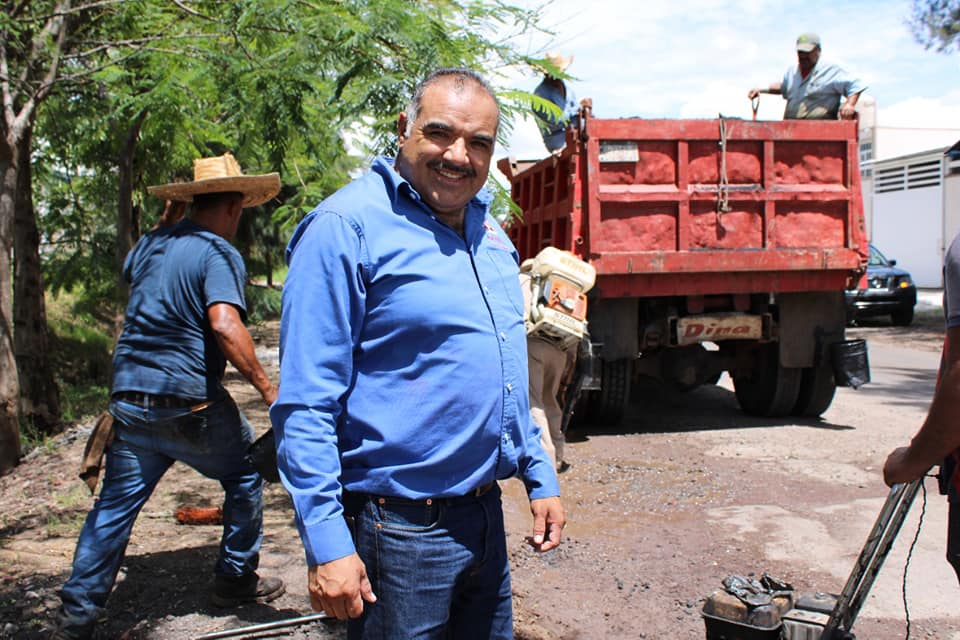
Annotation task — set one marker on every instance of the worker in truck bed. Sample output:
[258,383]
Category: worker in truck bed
[552,88]
[814,89]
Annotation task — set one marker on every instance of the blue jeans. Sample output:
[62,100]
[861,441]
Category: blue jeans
[147,442]
[439,568]
[953,536]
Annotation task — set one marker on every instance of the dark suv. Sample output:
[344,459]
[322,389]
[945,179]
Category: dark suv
[889,291]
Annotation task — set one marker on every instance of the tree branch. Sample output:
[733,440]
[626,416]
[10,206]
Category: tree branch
[137,42]
[60,12]
[36,46]
[192,12]
[8,114]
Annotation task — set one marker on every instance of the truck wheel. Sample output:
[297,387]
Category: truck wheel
[769,389]
[817,387]
[609,404]
[902,317]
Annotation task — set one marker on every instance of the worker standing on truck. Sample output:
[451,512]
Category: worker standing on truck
[404,400]
[552,88]
[183,322]
[938,440]
[814,89]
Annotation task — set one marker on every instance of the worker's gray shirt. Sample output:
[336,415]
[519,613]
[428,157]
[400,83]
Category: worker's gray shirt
[817,97]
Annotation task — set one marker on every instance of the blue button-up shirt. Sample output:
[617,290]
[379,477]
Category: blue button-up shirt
[403,361]
[554,130]
[818,95]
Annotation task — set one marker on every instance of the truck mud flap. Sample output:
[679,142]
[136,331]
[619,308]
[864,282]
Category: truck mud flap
[851,366]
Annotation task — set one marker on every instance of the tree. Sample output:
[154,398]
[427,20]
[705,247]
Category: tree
[142,87]
[30,57]
[936,24]
[42,44]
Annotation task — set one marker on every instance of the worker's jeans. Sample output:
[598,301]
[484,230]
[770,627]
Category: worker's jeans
[439,569]
[147,442]
[547,363]
[953,536]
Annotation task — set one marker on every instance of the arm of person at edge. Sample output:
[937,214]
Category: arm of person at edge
[237,346]
[940,433]
[318,367]
[774,89]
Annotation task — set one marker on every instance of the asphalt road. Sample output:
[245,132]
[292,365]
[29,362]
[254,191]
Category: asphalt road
[689,490]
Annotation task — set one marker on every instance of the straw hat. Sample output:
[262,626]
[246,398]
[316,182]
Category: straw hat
[221,174]
[558,60]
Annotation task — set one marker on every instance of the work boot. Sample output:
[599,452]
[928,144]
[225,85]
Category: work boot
[230,591]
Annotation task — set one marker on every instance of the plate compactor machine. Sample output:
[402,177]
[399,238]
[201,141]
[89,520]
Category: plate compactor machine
[767,609]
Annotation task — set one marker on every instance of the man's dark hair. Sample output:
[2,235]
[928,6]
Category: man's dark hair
[204,201]
[461,76]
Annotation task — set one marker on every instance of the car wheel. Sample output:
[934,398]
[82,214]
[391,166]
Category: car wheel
[902,317]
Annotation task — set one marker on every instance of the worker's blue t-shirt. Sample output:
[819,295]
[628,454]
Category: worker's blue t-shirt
[167,346]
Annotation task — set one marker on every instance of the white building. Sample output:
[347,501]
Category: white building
[911,192]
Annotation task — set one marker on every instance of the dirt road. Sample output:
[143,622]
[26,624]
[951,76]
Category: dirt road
[687,492]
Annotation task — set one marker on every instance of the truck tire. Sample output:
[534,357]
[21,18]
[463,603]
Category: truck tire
[817,386]
[608,405]
[770,389]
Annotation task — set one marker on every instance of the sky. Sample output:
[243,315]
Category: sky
[698,58]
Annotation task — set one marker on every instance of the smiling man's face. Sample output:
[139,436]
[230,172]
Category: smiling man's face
[446,155]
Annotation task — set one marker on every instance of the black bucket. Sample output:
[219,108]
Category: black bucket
[851,367]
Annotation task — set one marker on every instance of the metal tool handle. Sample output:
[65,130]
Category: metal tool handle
[874,552]
[258,628]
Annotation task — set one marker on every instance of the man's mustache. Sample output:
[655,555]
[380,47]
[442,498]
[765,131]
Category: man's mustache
[446,166]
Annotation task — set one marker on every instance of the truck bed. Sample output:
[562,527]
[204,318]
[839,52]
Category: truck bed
[699,207]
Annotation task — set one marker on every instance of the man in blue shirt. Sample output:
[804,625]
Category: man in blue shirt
[553,129]
[814,89]
[404,395]
[183,322]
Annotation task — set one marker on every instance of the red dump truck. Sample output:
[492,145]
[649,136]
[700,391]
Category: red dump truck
[719,245]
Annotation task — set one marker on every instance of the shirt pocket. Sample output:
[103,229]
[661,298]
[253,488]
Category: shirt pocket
[507,290]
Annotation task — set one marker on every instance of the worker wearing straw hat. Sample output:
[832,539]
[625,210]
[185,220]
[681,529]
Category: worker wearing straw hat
[184,320]
[553,89]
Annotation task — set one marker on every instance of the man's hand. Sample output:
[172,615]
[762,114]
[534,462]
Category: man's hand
[900,468]
[848,111]
[753,93]
[548,522]
[339,587]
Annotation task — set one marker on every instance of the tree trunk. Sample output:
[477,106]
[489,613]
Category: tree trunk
[9,384]
[39,398]
[128,216]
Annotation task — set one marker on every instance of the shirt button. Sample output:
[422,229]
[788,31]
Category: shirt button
[503,336]
[506,438]
[509,388]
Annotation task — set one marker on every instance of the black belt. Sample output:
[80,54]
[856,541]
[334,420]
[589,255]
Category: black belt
[159,401]
[470,496]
